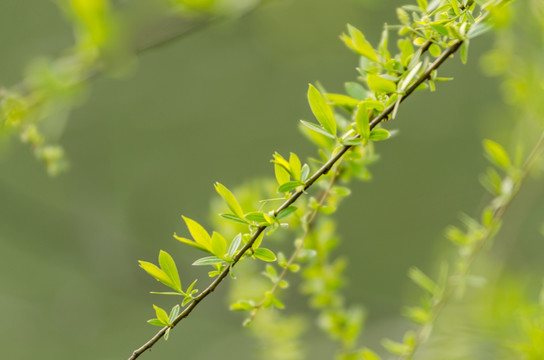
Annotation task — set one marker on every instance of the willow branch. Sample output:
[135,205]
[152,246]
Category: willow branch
[423,332]
[300,246]
[293,198]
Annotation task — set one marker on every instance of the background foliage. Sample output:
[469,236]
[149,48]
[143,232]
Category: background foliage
[214,106]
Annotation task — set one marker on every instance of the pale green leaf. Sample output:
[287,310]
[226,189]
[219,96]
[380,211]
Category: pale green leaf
[361,45]
[321,110]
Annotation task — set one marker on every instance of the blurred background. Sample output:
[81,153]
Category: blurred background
[148,140]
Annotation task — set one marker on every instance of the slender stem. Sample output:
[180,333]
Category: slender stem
[318,174]
[423,332]
[300,246]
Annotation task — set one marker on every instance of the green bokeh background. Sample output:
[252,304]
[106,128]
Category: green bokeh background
[214,106]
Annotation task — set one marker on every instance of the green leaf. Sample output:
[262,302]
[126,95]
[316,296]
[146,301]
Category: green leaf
[295,166]
[230,199]
[464,51]
[381,85]
[219,245]
[379,135]
[423,5]
[496,154]
[233,218]
[316,128]
[156,322]
[191,243]
[305,172]
[368,354]
[243,305]
[439,28]
[286,212]
[234,245]
[321,110]
[361,45]
[173,313]
[162,316]
[417,315]
[169,267]
[264,254]
[435,50]
[289,186]
[362,121]
[395,347]
[422,280]
[198,233]
[356,90]
[342,100]
[256,216]
[208,260]
[157,273]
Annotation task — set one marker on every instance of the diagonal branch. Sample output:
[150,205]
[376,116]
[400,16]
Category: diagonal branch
[293,198]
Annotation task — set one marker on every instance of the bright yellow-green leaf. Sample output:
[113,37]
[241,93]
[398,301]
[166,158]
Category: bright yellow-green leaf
[230,199]
[295,165]
[264,254]
[191,243]
[219,245]
[199,234]
[496,154]
[161,315]
[157,273]
[342,100]
[168,266]
[321,110]
[379,84]
[362,121]
[361,45]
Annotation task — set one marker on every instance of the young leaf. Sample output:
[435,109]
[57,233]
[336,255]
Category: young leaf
[162,316]
[295,165]
[289,186]
[198,233]
[342,100]
[362,121]
[191,243]
[369,354]
[168,266]
[496,154]
[380,84]
[316,128]
[157,273]
[422,280]
[234,245]
[264,255]
[286,212]
[229,198]
[173,313]
[379,135]
[361,45]
[305,172]
[356,90]
[219,245]
[208,260]
[233,218]
[321,110]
